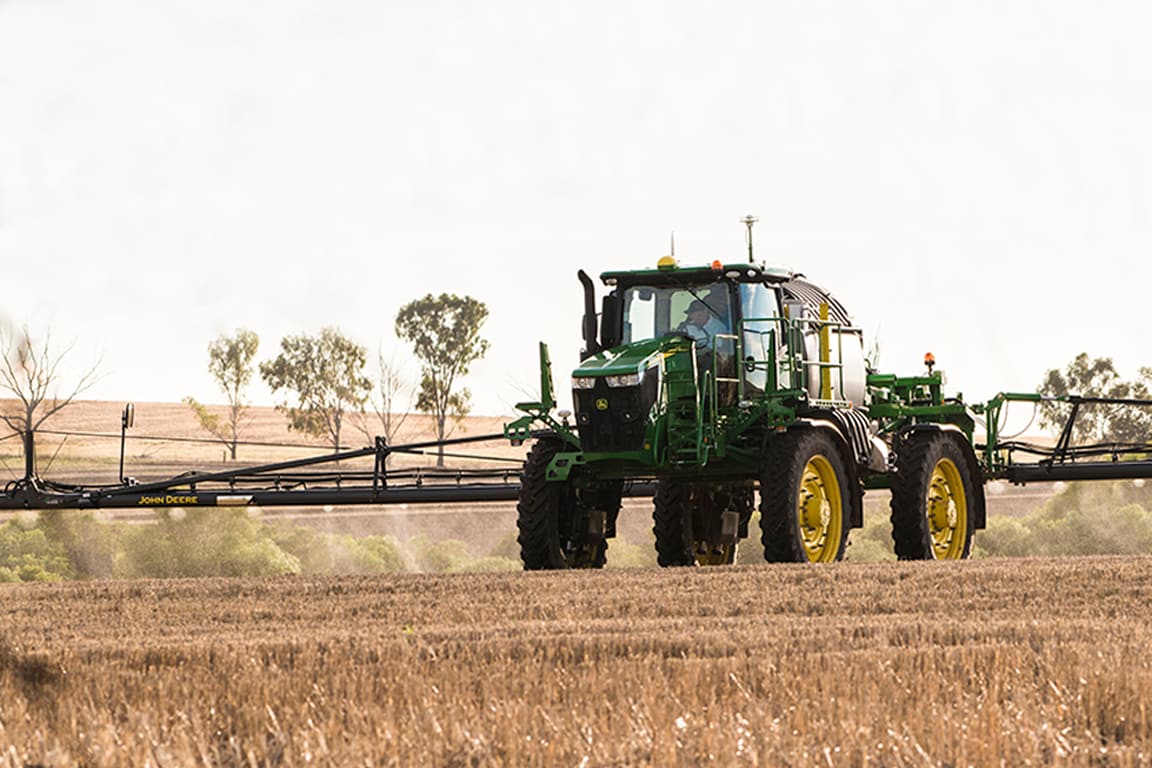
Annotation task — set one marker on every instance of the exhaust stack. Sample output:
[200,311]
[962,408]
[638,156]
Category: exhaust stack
[591,346]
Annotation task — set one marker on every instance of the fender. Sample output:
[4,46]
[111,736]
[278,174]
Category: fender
[932,427]
[856,488]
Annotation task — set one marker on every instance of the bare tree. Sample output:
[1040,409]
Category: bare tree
[30,372]
[230,363]
[392,400]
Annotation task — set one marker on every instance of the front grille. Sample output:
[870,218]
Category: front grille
[614,418]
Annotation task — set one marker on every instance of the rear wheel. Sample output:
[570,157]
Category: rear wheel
[934,498]
[699,523]
[805,499]
[557,528]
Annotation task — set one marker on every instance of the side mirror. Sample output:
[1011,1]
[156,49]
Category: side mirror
[610,317]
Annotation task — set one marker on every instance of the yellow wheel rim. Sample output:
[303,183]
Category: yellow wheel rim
[947,508]
[819,506]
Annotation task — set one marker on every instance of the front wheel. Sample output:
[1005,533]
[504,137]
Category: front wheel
[934,498]
[805,499]
[699,523]
[557,530]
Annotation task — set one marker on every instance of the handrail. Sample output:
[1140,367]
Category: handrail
[792,330]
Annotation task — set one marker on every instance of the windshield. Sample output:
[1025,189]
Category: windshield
[651,312]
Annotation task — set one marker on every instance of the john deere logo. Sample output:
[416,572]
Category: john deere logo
[602,404]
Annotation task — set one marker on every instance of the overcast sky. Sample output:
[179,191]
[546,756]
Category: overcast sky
[968,178]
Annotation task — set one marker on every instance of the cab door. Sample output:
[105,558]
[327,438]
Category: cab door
[760,328]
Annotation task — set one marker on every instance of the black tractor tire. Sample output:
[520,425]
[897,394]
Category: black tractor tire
[806,497]
[686,520]
[547,517]
[935,497]
[672,524]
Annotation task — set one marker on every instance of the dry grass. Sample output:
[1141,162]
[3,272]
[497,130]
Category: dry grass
[85,458]
[1033,662]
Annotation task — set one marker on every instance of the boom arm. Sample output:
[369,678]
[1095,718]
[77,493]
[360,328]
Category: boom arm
[297,483]
[1062,461]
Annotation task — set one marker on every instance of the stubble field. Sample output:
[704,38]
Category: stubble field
[993,662]
[1000,662]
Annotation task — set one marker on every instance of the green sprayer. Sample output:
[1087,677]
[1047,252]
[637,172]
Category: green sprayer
[721,382]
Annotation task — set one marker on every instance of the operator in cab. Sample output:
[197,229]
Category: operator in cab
[702,324]
[705,319]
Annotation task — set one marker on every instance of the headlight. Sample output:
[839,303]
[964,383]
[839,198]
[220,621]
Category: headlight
[583,382]
[625,380]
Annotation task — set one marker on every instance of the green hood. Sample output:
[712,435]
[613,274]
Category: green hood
[628,358]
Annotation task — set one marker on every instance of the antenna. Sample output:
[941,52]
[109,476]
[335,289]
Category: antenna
[748,221]
[672,244]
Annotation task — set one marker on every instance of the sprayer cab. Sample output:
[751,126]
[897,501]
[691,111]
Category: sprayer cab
[726,336]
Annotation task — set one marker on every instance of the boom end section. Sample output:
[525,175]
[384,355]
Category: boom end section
[540,412]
